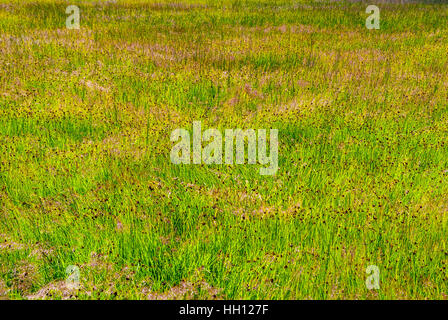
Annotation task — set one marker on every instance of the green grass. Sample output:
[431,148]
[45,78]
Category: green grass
[86,178]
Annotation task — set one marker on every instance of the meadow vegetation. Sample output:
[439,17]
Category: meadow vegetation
[86,178]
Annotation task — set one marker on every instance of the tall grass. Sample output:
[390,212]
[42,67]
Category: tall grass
[85,175]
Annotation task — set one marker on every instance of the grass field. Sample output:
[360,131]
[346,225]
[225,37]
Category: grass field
[86,178]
